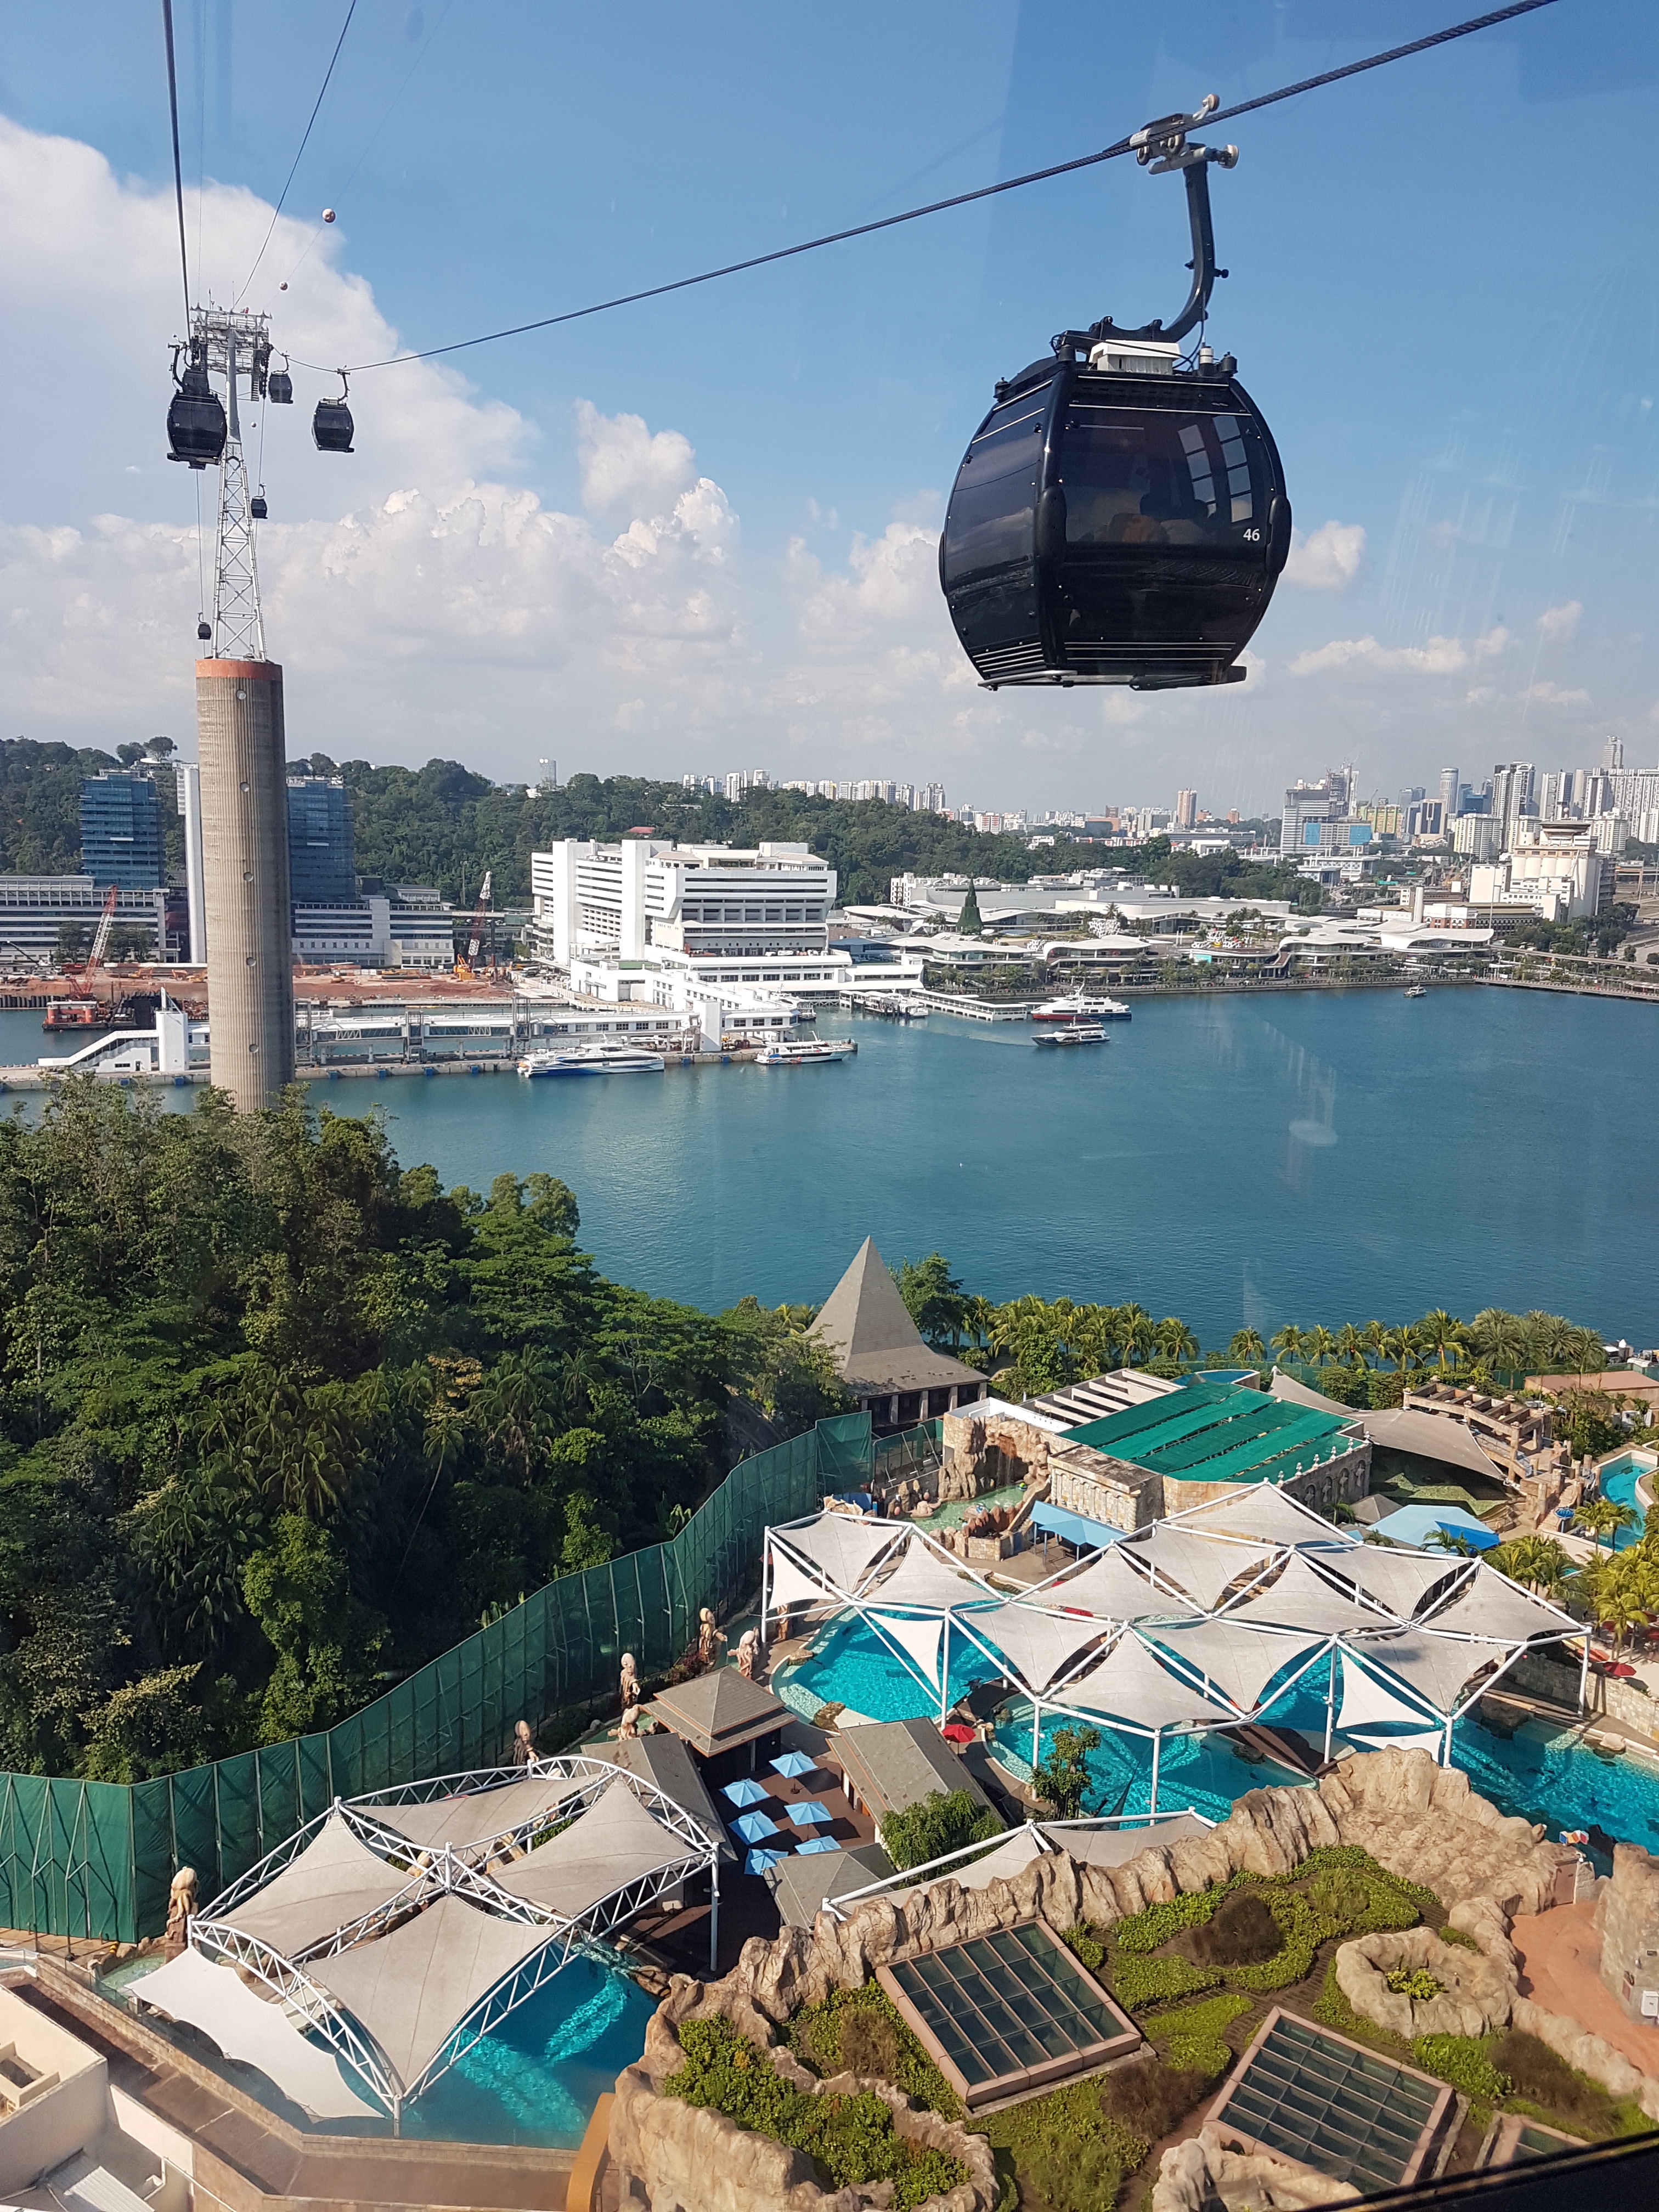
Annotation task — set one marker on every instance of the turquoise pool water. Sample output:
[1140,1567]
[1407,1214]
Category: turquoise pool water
[1619,1480]
[851,1665]
[953,1515]
[1204,1772]
[1545,1776]
[534,2079]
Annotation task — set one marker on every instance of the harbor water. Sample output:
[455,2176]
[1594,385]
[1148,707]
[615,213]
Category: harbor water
[1319,1155]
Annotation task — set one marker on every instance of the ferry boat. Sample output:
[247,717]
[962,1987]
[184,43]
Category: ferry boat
[805,1052]
[1079,1007]
[599,1058]
[1417,991]
[1073,1033]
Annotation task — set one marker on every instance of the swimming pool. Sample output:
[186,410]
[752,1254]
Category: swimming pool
[534,2079]
[1618,1480]
[1544,1775]
[952,1516]
[851,1665]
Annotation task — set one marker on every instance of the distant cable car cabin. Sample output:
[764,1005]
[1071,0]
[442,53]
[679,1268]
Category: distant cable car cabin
[1121,518]
[256,506]
[332,426]
[279,390]
[196,417]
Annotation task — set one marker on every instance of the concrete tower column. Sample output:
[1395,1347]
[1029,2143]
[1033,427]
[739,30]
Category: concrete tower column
[241,746]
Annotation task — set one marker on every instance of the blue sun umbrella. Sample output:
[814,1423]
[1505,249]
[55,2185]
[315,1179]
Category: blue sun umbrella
[817,1843]
[754,1827]
[745,1791]
[794,1764]
[763,1862]
[811,1814]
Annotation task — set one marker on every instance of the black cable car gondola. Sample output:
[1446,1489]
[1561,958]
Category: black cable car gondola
[1123,518]
[331,425]
[256,506]
[196,417]
[279,388]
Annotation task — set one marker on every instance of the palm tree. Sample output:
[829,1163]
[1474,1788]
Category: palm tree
[977,1315]
[1174,1340]
[1319,1344]
[1138,1337]
[1443,1334]
[1584,1352]
[1374,1338]
[1449,1539]
[1604,1516]
[1499,1337]
[1245,1347]
[1618,1596]
[1350,1346]
[1287,1341]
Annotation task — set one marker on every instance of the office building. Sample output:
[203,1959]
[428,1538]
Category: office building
[410,925]
[321,858]
[190,807]
[241,749]
[1449,797]
[1320,820]
[1186,810]
[39,913]
[121,831]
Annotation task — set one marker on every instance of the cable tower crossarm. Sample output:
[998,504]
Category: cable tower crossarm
[1112,153]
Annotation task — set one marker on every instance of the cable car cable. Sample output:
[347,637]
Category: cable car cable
[1111,153]
[178,165]
[351,10]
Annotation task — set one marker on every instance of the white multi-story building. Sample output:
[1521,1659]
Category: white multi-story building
[1554,868]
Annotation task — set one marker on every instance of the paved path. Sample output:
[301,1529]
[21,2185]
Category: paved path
[1560,1962]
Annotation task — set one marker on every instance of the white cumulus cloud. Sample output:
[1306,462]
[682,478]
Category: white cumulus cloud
[624,463]
[1439,656]
[1328,559]
[1551,694]
[1558,623]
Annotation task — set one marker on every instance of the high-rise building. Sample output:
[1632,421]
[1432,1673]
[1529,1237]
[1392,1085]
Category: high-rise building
[190,806]
[1186,810]
[1449,793]
[1512,792]
[322,865]
[121,831]
[241,746]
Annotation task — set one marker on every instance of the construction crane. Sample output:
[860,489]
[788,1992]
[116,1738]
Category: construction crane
[468,962]
[100,939]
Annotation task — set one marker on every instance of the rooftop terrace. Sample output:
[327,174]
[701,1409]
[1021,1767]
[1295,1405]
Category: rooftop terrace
[1209,1434]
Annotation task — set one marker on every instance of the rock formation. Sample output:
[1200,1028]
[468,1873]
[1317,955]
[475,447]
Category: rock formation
[1627,1914]
[1476,1993]
[1211,2167]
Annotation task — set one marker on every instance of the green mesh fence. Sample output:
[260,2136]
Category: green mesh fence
[94,1859]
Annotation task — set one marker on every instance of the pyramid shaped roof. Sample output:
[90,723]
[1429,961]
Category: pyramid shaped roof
[877,1346]
[718,1710]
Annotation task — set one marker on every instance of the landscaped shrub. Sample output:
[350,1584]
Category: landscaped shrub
[1207,2018]
[1201,2056]
[1086,1944]
[852,2139]
[1416,1983]
[943,1822]
[1241,1932]
[1542,2078]
[1301,1931]
[1070,2153]
[1137,1982]
[1145,1930]
[1149,2097]
[1463,2061]
[861,2031]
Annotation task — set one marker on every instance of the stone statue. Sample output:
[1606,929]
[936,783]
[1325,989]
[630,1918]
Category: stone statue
[748,1654]
[630,1724]
[181,1904]
[524,1744]
[629,1684]
[710,1638]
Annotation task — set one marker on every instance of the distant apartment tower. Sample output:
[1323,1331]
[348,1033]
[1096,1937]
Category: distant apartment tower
[241,743]
[321,856]
[121,831]
[1513,792]
[190,807]
[1186,810]
[1449,789]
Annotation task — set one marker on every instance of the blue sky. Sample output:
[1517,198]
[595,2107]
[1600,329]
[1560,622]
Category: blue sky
[1442,295]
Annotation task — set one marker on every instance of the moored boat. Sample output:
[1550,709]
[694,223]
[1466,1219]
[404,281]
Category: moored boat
[805,1052]
[1077,1007]
[599,1058]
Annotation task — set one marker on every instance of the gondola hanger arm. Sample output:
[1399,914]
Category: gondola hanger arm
[1165,147]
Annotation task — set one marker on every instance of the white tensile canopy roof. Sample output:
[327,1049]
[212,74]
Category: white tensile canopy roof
[615,1841]
[1202,1566]
[411,1990]
[1037,1644]
[250,2028]
[479,1817]
[1110,1590]
[1129,1685]
[1261,1510]
[1400,1579]
[1240,1661]
[334,1881]
[1301,1599]
[922,1578]
[1435,1667]
[842,1549]
[1492,1605]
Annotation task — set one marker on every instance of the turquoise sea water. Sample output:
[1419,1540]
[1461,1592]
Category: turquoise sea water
[1307,1156]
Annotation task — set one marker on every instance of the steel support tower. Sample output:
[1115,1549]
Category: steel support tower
[241,746]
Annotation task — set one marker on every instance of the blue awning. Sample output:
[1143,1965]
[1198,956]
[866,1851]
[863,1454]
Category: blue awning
[1076,1528]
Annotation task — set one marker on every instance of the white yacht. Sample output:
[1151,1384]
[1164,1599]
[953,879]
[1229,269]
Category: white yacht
[805,1052]
[1072,1033]
[601,1057]
[1076,1006]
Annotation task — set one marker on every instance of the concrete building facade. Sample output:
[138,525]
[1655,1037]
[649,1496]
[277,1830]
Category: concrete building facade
[241,746]
[121,831]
